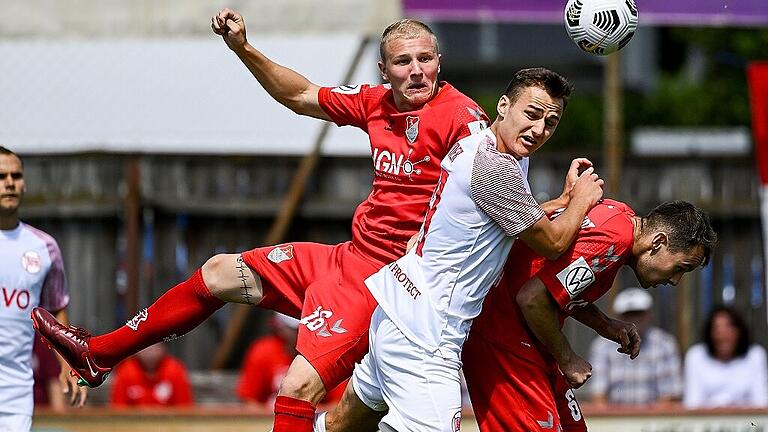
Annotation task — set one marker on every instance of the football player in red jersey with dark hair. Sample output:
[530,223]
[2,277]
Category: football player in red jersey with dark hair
[520,368]
[412,122]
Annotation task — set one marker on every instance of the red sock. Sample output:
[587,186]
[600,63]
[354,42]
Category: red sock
[179,310]
[293,415]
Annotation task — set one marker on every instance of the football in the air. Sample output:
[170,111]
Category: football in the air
[601,26]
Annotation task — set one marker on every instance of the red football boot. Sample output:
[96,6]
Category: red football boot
[72,344]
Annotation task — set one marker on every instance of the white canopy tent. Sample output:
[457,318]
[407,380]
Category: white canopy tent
[190,96]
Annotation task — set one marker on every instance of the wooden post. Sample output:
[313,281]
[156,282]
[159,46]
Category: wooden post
[132,233]
[283,220]
[613,111]
[613,125]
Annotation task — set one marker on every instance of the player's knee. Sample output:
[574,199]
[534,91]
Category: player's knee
[303,386]
[213,270]
[228,278]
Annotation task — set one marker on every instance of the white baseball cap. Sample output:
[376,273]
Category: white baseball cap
[632,300]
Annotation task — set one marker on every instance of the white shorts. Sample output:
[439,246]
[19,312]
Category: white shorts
[15,422]
[422,390]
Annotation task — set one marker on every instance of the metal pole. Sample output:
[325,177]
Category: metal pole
[133,253]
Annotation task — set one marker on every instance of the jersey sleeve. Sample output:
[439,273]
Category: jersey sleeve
[588,267]
[345,105]
[499,189]
[468,119]
[55,292]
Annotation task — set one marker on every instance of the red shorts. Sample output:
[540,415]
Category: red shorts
[510,393]
[324,286]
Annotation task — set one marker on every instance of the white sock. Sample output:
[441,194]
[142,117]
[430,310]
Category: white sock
[319,425]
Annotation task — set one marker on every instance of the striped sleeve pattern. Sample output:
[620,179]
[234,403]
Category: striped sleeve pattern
[499,189]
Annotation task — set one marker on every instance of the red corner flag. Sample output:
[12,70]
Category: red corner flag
[757,77]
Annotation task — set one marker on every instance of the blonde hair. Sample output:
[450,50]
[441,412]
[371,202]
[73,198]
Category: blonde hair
[405,29]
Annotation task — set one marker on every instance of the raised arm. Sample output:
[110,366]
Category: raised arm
[285,85]
[551,238]
[541,314]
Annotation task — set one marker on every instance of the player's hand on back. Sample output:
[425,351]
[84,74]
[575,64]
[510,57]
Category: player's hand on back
[576,371]
[588,187]
[230,25]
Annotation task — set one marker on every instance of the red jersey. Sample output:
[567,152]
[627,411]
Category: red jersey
[168,386]
[578,277]
[407,148]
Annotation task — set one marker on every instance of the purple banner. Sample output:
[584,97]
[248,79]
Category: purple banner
[668,12]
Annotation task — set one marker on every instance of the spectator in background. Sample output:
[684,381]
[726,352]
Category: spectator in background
[727,369]
[152,377]
[267,362]
[31,275]
[654,376]
[45,371]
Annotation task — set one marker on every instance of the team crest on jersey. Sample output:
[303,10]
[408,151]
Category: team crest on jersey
[347,89]
[30,261]
[456,422]
[576,277]
[281,253]
[412,128]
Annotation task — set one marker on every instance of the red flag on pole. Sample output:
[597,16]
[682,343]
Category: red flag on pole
[757,77]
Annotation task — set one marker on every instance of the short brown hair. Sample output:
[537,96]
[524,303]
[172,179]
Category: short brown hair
[687,226]
[405,29]
[7,151]
[553,83]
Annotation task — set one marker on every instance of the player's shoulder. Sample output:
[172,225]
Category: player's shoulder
[456,104]
[39,234]
[611,213]
[368,92]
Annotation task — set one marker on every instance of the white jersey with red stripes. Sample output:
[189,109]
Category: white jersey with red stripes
[31,274]
[481,203]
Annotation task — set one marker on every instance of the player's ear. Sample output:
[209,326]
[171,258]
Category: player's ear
[383,70]
[502,106]
[659,239]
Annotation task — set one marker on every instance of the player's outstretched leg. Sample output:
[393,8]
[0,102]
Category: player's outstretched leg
[179,310]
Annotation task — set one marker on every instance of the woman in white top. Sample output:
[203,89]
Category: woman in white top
[726,370]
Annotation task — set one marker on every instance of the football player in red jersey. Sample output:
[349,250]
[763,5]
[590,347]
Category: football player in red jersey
[520,368]
[412,122]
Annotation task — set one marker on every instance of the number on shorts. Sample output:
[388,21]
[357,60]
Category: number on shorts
[573,404]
